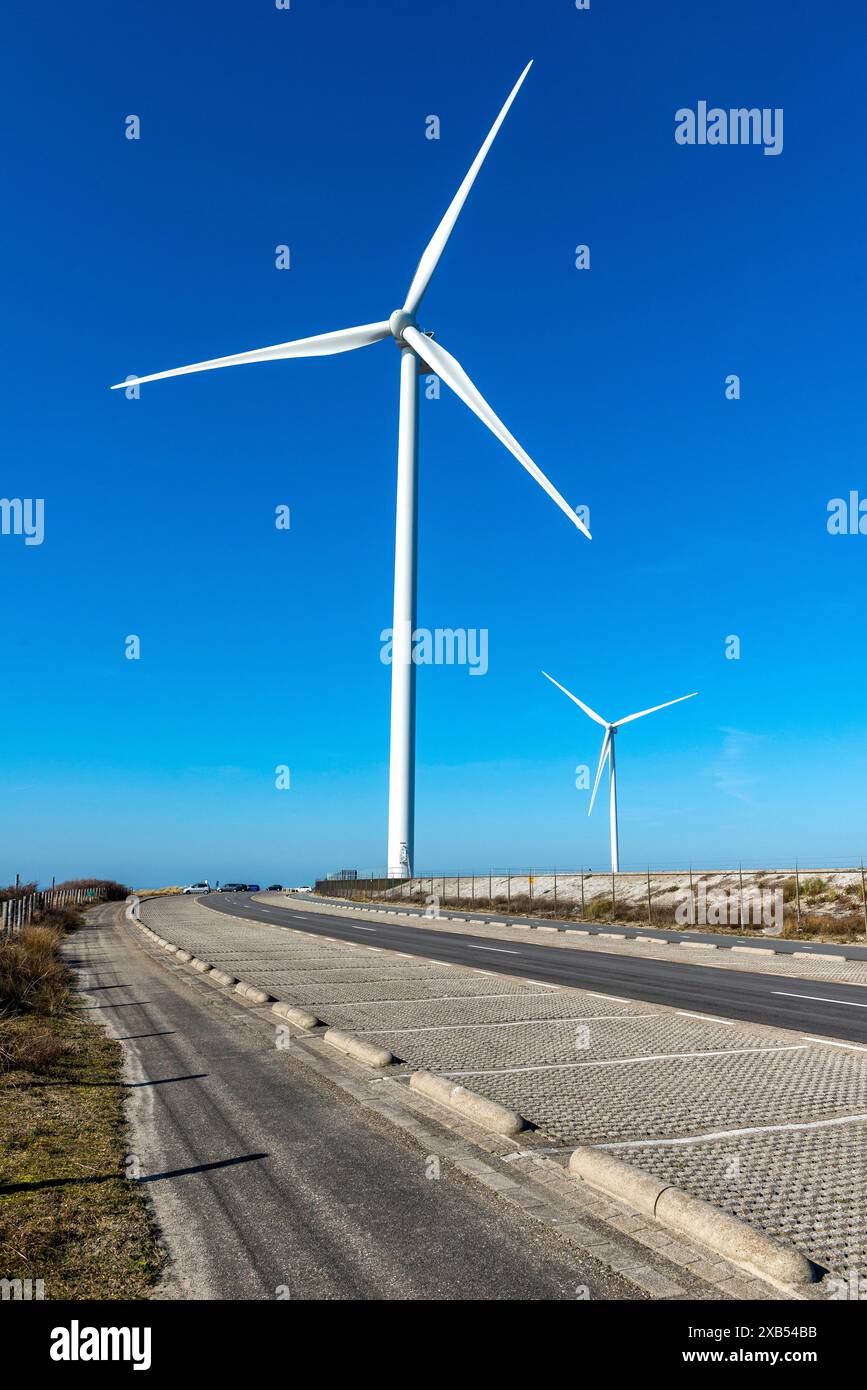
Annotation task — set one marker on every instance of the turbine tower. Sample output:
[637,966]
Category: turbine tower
[608,752]
[417,352]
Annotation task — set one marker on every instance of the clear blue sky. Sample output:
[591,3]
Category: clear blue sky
[261,647]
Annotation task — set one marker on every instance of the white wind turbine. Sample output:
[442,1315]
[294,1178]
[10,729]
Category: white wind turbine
[418,352]
[608,752]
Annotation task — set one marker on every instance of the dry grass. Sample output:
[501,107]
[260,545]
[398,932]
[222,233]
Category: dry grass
[33,976]
[833,930]
[68,1214]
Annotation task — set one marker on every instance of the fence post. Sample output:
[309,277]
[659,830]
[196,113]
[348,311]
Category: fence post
[613,897]
[741,897]
[509,893]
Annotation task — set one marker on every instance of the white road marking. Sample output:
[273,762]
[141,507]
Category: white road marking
[542,983]
[706,1018]
[829,1042]
[819,998]
[438,998]
[737,1133]
[516,1023]
[501,950]
[616,997]
[630,1061]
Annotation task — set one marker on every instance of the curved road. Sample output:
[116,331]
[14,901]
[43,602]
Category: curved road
[781,1001]
[268,1184]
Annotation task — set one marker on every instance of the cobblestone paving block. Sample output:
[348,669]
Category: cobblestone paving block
[528,1004]
[459,986]
[532,1044]
[585,1105]
[809,1186]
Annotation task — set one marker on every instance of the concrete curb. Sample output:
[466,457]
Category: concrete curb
[222,977]
[253,993]
[300,1017]
[201,965]
[727,1235]
[487,1113]
[184,956]
[359,1049]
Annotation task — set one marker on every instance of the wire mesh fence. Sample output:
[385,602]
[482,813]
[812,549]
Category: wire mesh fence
[831,897]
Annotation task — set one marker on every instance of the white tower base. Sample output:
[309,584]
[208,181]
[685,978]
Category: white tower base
[401,777]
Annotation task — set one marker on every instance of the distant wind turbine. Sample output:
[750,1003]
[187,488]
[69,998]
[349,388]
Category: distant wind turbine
[608,752]
[418,353]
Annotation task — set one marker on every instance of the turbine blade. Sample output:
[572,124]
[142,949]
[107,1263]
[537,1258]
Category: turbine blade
[606,743]
[641,713]
[580,703]
[435,247]
[323,344]
[454,376]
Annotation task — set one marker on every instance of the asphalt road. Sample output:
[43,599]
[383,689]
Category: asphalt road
[781,947]
[264,1179]
[809,1006]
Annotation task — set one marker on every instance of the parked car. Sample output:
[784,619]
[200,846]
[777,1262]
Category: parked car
[275,887]
[203,887]
[253,888]
[233,888]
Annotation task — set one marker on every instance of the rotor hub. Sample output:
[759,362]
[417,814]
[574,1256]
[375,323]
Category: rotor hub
[398,322]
